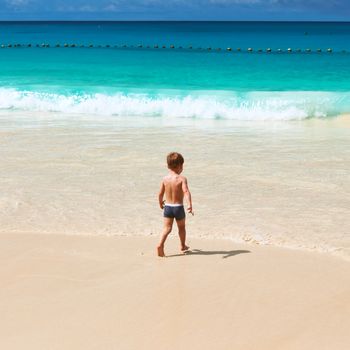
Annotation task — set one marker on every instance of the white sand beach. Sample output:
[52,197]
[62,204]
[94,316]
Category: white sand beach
[269,266]
[88,292]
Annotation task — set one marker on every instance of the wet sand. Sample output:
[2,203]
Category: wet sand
[279,183]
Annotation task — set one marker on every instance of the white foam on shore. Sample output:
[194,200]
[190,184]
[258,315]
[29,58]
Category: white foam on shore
[258,105]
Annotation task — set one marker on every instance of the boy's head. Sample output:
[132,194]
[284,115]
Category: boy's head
[175,161]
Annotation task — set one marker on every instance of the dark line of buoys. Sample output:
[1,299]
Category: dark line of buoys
[172,47]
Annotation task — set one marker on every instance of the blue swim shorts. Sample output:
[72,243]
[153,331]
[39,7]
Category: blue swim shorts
[176,211]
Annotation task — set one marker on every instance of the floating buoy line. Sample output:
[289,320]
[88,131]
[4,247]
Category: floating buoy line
[171,47]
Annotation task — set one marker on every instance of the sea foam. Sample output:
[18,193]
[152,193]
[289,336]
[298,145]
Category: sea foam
[255,105]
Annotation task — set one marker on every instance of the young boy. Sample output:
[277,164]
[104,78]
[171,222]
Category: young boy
[175,188]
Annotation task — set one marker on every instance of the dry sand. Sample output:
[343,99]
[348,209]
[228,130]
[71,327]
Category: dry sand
[94,292]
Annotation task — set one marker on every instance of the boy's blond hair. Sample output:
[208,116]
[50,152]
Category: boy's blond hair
[174,160]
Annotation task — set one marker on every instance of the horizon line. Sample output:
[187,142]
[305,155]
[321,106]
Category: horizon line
[168,20]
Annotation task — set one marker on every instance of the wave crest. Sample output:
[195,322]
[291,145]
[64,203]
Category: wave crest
[287,105]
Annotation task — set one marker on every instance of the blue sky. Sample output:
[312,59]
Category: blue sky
[337,10]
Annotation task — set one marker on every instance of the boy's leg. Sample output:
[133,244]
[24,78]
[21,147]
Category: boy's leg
[182,233]
[168,224]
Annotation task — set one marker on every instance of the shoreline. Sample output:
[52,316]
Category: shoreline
[68,291]
[281,184]
[248,242]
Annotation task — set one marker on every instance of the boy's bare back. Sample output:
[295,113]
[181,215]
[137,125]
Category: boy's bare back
[175,187]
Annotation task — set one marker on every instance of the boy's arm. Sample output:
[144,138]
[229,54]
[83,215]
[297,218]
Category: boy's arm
[161,195]
[187,195]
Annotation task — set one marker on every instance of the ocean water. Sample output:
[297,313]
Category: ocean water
[180,82]
[84,131]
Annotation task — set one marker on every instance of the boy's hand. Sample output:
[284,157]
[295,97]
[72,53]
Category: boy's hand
[190,210]
[162,205]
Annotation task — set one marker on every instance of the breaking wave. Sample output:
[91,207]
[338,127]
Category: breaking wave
[256,105]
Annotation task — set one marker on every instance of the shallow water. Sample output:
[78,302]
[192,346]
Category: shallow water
[281,183]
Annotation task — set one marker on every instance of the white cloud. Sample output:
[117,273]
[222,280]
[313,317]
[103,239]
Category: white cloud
[236,2]
[17,3]
[87,8]
[111,7]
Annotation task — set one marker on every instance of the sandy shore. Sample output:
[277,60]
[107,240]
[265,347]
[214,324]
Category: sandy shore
[281,183]
[91,292]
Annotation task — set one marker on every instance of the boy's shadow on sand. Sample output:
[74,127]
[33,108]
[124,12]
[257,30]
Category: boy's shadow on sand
[225,253]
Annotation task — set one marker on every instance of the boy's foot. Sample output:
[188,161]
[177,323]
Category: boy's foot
[160,251]
[185,248]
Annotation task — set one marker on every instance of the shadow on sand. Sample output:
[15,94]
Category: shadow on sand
[225,253]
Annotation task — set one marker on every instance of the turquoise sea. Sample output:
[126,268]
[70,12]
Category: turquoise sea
[177,69]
